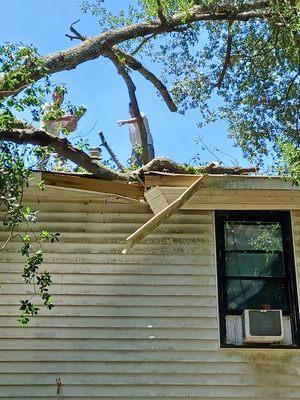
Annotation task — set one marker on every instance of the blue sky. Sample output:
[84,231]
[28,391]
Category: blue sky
[97,85]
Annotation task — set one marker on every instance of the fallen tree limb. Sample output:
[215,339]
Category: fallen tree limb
[219,169]
[162,164]
[64,148]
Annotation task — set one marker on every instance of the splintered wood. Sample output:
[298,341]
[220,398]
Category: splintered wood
[159,218]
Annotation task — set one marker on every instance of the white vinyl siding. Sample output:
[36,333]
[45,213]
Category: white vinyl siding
[137,326]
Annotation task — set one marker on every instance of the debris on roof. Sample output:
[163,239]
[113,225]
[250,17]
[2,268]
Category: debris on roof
[164,165]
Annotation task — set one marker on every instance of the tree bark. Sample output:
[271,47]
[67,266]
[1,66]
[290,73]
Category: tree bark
[63,148]
[93,47]
[162,164]
[131,91]
[136,65]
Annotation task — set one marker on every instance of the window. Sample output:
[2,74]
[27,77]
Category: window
[255,270]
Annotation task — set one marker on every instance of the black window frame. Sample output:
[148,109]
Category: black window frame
[284,218]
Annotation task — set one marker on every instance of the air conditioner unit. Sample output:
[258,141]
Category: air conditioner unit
[262,326]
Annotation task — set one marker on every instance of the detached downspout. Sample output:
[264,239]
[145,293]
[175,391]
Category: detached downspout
[159,218]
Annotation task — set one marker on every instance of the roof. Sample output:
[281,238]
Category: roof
[136,190]
[219,181]
[187,186]
[90,183]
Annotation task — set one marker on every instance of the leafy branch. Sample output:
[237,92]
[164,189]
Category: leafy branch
[14,177]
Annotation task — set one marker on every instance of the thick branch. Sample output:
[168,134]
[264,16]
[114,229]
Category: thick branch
[133,63]
[289,88]
[131,91]
[94,47]
[219,169]
[162,164]
[160,12]
[227,60]
[63,148]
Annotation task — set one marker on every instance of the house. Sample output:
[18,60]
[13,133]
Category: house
[165,320]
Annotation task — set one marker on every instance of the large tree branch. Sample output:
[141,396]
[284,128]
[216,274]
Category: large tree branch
[227,60]
[162,164]
[131,91]
[64,148]
[160,12]
[133,63]
[94,47]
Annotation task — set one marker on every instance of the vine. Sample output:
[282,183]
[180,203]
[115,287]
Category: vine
[14,178]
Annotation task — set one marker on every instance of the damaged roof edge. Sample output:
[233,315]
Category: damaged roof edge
[219,181]
[88,183]
[137,190]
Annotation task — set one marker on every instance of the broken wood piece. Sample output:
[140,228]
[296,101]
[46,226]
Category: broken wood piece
[155,221]
[90,183]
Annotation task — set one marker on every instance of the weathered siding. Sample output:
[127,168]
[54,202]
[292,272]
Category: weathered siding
[138,326]
[225,199]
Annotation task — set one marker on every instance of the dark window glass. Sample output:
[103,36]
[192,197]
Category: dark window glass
[255,265]
[254,250]
[256,294]
[244,263]
[253,235]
